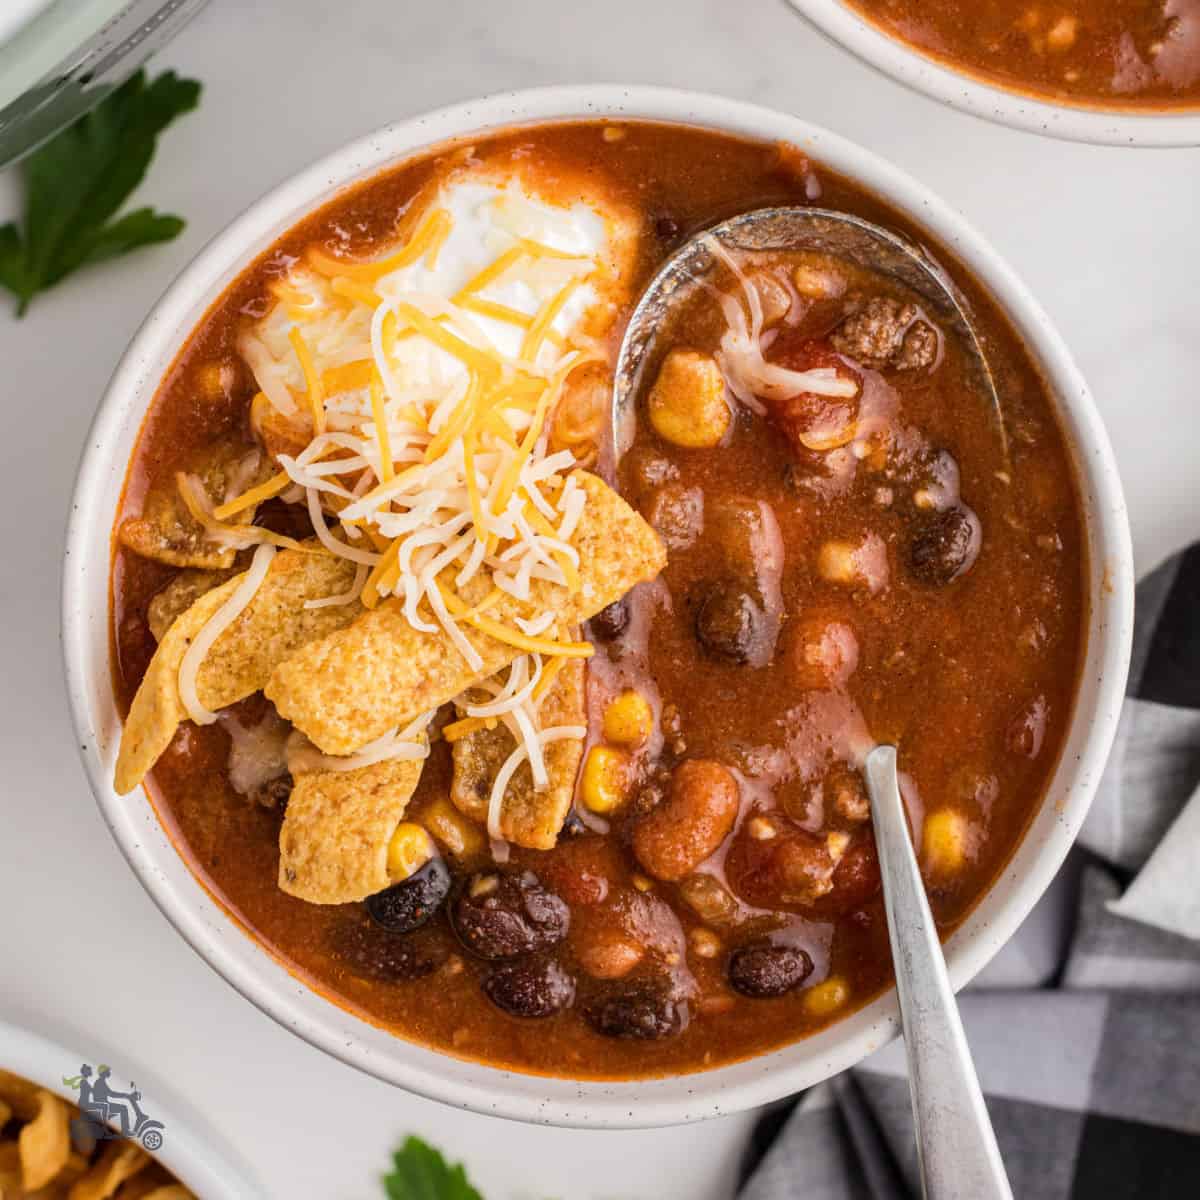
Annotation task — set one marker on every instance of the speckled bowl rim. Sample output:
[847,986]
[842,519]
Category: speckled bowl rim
[251,969]
[972,94]
[189,1152]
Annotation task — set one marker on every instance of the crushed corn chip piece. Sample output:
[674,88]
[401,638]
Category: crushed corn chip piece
[527,817]
[165,531]
[354,685]
[45,1142]
[333,846]
[273,625]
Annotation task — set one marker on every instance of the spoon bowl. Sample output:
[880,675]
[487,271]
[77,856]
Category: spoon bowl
[842,235]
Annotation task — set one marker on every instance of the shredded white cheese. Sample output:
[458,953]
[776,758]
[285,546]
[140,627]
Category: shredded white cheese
[747,373]
[407,743]
[557,733]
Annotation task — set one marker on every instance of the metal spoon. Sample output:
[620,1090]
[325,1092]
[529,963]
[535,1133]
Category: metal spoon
[955,1141]
[795,228]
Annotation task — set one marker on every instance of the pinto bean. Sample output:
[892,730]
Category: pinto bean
[855,880]
[700,809]
[793,868]
[581,869]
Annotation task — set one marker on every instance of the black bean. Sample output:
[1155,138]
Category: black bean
[407,905]
[728,622]
[666,228]
[767,970]
[274,793]
[609,623]
[291,520]
[531,988]
[505,916]
[646,1010]
[368,951]
[573,826]
[944,546]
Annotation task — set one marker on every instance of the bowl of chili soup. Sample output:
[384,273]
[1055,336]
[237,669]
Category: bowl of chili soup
[775,578]
[1103,71]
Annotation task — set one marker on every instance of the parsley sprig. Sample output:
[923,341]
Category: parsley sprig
[419,1172]
[75,184]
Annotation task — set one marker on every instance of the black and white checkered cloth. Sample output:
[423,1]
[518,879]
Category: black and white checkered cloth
[1092,1082]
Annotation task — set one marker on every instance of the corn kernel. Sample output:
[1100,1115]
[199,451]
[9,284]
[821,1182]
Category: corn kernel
[944,841]
[705,943]
[760,829]
[836,843]
[455,833]
[1062,33]
[643,884]
[687,403]
[818,284]
[826,998]
[216,380]
[409,850]
[836,562]
[483,885]
[602,787]
[1029,20]
[629,719]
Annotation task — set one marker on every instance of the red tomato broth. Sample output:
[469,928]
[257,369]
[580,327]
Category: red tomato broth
[924,678]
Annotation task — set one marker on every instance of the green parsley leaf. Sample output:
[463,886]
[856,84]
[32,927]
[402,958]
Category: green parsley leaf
[77,181]
[419,1172]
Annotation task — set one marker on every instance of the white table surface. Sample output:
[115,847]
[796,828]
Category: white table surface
[1108,239]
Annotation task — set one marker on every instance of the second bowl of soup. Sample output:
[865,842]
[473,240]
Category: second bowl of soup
[1123,72]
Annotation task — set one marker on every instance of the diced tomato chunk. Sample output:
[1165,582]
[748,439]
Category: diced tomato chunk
[808,420]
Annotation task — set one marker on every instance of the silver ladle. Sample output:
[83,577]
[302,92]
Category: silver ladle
[838,234]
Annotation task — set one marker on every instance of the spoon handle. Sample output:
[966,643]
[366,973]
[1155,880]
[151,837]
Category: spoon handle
[955,1141]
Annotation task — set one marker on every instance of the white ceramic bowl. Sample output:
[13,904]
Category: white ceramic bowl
[248,967]
[189,1151]
[1074,122]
